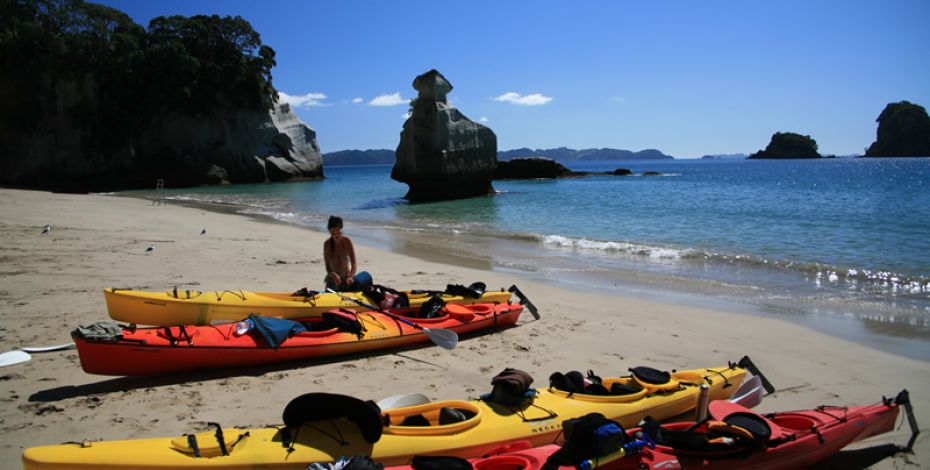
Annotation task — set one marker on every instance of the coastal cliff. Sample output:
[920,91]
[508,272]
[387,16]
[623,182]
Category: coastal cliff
[442,154]
[93,101]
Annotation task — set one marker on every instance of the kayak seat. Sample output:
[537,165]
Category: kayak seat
[711,438]
[332,322]
[420,314]
[654,380]
[735,414]
[415,420]
[319,406]
[449,415]
[650,376]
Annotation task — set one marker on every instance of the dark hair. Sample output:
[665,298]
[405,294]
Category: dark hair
[334,222]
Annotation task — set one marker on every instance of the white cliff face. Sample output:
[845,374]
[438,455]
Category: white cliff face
[243,145]
[305,155]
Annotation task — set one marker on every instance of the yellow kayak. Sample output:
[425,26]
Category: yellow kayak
[321,427]
[185,307]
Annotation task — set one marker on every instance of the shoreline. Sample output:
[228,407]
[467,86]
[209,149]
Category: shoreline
[851,320]
[52,283]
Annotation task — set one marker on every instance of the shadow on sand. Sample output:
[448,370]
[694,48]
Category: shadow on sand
[860,458]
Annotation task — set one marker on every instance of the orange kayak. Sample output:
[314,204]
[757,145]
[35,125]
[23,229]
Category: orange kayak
[165,350]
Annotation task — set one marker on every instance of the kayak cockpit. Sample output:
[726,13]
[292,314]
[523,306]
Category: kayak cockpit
[432,419]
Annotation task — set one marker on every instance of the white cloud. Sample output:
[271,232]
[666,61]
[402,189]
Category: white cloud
[406,115]
[357,100]
[310,99]
[535,99]
[483,119]
[388,100]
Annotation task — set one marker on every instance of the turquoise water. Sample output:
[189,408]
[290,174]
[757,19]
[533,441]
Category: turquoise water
[818,241]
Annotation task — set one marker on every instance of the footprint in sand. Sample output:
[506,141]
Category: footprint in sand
[40,409]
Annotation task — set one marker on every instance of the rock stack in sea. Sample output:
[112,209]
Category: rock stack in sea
[442,154]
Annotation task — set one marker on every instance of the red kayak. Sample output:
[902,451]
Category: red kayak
[163,350]
[733,437]
[736,437]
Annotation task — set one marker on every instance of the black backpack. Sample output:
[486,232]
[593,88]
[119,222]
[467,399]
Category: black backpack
[588,437]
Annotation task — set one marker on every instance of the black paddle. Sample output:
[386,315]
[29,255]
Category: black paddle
[524,301]
[444,338]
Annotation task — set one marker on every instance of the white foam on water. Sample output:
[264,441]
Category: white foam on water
[584,244]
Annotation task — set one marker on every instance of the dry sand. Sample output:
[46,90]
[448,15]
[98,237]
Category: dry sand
[51,283]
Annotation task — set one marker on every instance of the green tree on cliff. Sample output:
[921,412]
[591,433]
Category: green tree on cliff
[903,131]
[121,74]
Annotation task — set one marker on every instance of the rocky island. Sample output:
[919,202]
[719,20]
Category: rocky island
[903,131]
[788,145]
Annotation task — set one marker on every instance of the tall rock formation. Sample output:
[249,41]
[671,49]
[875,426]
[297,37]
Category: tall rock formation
[442,154]
[903,131]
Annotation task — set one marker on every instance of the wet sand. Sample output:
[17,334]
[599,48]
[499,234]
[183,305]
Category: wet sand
[51,283]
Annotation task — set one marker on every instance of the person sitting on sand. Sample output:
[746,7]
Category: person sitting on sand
[339,256]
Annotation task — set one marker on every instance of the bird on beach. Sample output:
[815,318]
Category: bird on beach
[150,249]
[204,231]
[46,229]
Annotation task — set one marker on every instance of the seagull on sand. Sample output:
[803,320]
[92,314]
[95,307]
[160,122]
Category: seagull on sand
[204,231]
[46,229]
[150,249]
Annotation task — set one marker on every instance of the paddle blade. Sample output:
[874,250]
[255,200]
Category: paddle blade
[746,363]
[750,393]
[524,300]
[57,347]
[447,339]
[14,357]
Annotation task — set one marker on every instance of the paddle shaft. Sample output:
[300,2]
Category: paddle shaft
[372,307]
[447,339]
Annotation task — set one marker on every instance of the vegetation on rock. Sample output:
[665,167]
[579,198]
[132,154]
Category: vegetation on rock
[789,145]
[903,131]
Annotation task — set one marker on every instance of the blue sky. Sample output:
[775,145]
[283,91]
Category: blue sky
[687,78]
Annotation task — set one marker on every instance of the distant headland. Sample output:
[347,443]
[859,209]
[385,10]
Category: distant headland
[561,154]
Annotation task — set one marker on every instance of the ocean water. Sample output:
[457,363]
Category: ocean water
[841,245]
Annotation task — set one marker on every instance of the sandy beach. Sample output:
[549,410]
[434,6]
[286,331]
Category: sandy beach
[51,283]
